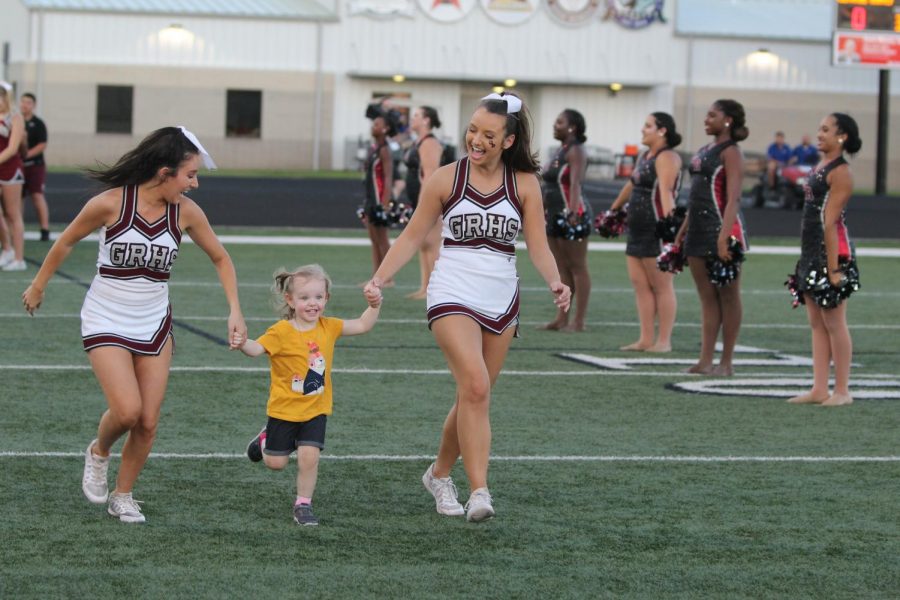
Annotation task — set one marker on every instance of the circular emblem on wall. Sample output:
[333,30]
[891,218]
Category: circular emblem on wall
[573,12]
[446,11]
[509,12]
[635,14]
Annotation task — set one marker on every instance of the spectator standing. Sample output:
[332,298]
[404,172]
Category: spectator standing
[35,167]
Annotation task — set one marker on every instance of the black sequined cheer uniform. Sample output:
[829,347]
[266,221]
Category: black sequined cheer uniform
[645,208]
[707,202]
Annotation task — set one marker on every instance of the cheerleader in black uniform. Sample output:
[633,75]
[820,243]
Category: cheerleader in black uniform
[827,252]
[716,173]
[562,183]
[650,194]
[422,159]
[379,183]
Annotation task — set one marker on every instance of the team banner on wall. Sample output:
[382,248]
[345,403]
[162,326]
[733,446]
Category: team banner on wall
[381,8]
[879,50]
[447,11]
[509,12]
[573,12]
[635,14]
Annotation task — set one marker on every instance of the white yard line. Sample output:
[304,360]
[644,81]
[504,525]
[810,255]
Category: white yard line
[308,240]
[527,458]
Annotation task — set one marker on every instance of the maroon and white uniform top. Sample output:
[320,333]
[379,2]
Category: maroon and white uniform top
[11,172]
[127,304]
[475,274]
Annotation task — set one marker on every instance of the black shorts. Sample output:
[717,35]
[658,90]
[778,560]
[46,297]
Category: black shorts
[283,437]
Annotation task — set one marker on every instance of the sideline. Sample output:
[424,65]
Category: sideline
[549,459]
[309,240]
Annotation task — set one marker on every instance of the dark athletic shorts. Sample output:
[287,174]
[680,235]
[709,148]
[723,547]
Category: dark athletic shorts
[283,437]
[34,179]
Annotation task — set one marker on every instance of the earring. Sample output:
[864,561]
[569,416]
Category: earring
[840,140]
[661,134]
[727,124]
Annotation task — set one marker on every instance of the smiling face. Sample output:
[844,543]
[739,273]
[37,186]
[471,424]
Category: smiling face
[182,181]
[486,137]
[308,296]
[828,137]
[715,122]
[650,132]
[561,127]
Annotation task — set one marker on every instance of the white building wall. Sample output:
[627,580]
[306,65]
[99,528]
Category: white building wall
[479,49]
[447,65]
[200,43]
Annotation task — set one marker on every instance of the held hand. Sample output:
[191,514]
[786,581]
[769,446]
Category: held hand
[237,332]
[32,298]
[563,295]
[372,292]
[722,249]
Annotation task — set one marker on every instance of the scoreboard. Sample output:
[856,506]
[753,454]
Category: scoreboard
[866,33]
[868,15]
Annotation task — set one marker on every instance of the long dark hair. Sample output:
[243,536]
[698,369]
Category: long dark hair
[665,121]
[847,125]
[576,120]
[735,111]
[519,156]
[166,147]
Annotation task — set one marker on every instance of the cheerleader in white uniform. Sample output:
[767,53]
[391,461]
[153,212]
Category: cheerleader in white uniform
[126,318]
[484,200]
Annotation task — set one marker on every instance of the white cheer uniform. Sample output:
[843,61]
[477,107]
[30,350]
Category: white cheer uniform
[127,304]
[476,275]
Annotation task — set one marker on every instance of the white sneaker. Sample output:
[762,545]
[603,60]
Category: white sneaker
[15,265]
[93,482]
[479,506]
[125,507]
[444,493]
[7,256]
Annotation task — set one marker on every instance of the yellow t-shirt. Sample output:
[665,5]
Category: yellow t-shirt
[300,369]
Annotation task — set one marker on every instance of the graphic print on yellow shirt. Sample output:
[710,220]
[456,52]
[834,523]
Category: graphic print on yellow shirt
[301,369]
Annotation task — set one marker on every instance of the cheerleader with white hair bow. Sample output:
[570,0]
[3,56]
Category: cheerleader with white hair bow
[483,201]
[126,319]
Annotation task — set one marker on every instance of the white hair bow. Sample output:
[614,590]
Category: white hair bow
[207,159]
[6,86]
[513,103]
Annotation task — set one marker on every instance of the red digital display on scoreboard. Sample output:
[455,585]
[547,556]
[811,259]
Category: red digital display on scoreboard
[868,15]
[867,33]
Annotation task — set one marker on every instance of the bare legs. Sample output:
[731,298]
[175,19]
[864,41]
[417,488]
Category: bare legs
[830,342]
[307,468]
[380,244]
[12,212]
[43,212]
[475,358]
[428,255]
[654,295]
[720,309]
[571,261]
[134,387]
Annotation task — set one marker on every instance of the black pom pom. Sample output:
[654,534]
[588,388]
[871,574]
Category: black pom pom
[611,223]
[671,260]
[667,227]
[722,273]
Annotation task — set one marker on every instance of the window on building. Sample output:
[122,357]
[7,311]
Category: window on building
[243,113]
[115,105]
